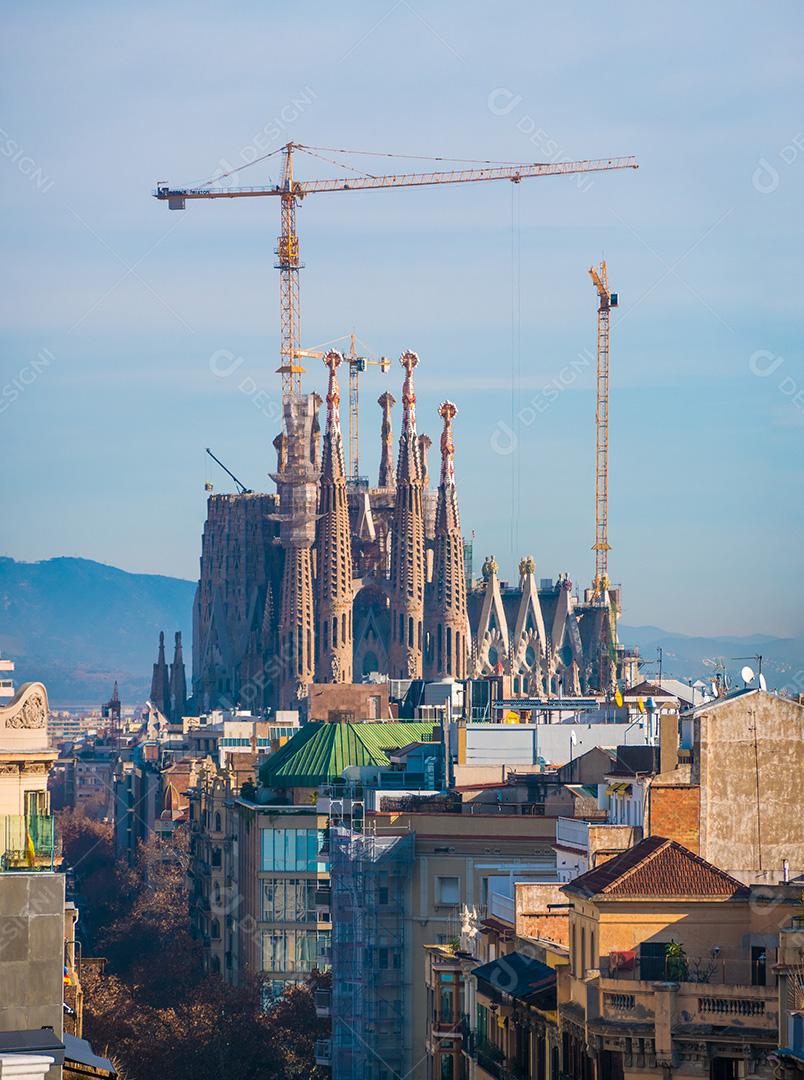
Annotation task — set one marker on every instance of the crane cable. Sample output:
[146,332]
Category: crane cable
[516,361]
[413,157]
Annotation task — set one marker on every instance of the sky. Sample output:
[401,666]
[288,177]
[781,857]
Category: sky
[133,337]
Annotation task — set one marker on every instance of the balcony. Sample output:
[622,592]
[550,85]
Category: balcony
[490,1058]
[28,843]
[323,1052]
[502,907]
[572,832]
[704,1006]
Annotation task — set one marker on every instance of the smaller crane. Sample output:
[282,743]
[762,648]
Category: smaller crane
[608,300]
[241,488]
[357,363]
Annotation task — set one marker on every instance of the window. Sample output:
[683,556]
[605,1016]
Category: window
[723,1068]
[289,900]
[759,962]
[446,1069]
[446,998]
[294,950]
[291,849]
[448,890]
[583,952]
[482,1023]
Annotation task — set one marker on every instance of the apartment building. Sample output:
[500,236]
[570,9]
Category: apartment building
[671,968]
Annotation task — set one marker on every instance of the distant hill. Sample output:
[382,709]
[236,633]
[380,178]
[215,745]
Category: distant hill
[687,657]
[78,625]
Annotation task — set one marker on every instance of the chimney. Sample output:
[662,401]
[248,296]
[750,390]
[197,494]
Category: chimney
[668,738]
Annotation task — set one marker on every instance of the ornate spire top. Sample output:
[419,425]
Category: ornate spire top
[490,568]
[332,466]
[409,360]
[447,411]
[161,647]
[333,360]
[527,566]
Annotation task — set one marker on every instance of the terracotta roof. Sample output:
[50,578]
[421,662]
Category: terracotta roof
[657,868]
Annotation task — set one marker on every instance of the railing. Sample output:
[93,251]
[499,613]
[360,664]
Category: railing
[490,1057]
[28,842]
[502,906]
[630,967]
[572,831]
[731,1006]
[690,1004]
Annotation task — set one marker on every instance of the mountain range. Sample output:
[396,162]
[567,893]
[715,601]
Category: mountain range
[79,625]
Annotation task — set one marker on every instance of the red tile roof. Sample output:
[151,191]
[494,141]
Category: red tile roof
[657,868]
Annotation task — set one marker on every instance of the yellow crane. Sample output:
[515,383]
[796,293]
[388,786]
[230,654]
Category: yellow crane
[607,300]
[356,363]
[290,191]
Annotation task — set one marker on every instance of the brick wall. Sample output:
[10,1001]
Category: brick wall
[675,814]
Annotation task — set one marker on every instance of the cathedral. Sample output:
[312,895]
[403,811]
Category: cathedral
[332,580]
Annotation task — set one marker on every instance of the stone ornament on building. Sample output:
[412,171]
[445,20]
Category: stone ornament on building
[27,710]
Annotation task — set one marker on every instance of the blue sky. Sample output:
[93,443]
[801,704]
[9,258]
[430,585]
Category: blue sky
[112,307]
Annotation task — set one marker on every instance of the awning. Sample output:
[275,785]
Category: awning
[618,789]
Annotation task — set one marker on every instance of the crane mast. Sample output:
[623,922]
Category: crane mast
[291,191]
[607,301]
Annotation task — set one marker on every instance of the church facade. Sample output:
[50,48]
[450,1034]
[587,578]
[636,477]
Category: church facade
[330,580]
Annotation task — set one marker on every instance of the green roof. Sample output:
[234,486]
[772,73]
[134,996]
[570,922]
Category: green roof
[319,752]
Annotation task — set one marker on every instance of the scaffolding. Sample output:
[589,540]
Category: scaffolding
[371,976]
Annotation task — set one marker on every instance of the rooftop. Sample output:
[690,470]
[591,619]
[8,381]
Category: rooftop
[658,869]
[319,752]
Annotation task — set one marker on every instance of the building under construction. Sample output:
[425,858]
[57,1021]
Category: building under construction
[371,1026]
[330,579]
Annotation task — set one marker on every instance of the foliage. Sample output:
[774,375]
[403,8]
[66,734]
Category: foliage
[151,1009]
[676,961]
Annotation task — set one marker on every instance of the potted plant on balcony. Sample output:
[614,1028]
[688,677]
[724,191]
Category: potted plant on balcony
[676,964]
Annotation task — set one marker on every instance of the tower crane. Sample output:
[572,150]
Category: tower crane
[290,191]
[356,364]
[241,488]
[607,300]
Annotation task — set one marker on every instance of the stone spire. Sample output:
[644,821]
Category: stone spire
[446,615]
[160,681]
[334,548]
[315,438]
[178,682]
[425,442]
[297,485]
[386,402]
[407,542]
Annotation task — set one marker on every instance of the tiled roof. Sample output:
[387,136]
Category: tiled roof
[646,689]
[657,868]
[319,752]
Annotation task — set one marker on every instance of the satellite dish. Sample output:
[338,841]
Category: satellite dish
[763,685]
[714,689]
[747,674]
